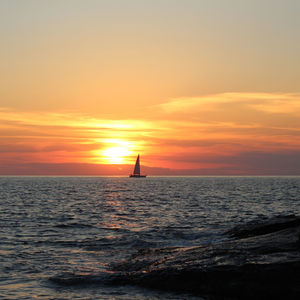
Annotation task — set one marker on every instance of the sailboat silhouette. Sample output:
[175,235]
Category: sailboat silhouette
[137,169]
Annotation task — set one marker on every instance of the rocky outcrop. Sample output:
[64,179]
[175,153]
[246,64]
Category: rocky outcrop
[264,226]
[261,260]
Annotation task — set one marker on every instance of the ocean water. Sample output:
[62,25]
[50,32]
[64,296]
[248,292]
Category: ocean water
[75,227]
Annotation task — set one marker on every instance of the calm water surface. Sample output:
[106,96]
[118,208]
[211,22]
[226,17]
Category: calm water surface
[76,226]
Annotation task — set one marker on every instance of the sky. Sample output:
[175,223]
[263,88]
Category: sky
[195,87]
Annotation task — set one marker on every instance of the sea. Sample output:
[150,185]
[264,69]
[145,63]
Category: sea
[77,227]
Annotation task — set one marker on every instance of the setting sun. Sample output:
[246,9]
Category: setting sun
[115,155]
[117,151]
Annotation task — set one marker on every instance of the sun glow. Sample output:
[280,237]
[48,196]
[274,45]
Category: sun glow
[116,155]
[117,152]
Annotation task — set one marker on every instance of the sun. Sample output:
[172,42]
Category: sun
[114,151]
[115,155]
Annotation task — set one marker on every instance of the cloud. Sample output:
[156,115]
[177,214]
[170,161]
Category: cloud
[266,102]
[264,110]
[201,133]
[257,119]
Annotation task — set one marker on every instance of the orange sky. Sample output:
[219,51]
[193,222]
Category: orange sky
[196,89]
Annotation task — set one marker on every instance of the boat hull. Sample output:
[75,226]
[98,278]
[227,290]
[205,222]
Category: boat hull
[137,176]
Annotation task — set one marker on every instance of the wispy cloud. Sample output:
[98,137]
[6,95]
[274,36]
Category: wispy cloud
[250,100]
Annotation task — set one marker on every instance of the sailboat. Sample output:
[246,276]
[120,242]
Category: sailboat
[137,169]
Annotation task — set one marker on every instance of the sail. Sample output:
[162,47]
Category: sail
[137,170]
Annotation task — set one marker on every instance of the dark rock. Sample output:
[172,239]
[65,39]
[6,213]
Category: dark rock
[263,263]
[259,227]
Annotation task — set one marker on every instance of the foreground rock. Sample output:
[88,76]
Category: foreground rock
[261,262]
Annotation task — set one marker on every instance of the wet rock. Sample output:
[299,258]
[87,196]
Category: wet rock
[259,227]
[262,261]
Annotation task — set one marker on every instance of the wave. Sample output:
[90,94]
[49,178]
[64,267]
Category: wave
[106,243]
[77,279]
[73,225]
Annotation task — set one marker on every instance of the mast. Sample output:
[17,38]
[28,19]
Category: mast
[137,170]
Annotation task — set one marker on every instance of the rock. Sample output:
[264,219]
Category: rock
[261,262]
[259,227]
